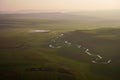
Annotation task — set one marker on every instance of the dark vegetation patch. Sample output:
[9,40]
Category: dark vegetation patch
[105,47]
[75,54]
[46,75]
[47,69]
[59,73]
[111,70]
[108,31]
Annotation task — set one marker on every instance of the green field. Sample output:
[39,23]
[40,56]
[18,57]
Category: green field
[22,50]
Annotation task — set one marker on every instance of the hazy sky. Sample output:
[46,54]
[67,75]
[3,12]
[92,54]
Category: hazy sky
[58,5]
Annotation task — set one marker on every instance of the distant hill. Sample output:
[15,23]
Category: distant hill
[47,15]
[106,14]
[81,15]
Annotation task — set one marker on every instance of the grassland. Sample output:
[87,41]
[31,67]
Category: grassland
[21,50]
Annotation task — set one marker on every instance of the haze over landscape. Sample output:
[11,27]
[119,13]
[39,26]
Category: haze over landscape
[58,5]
